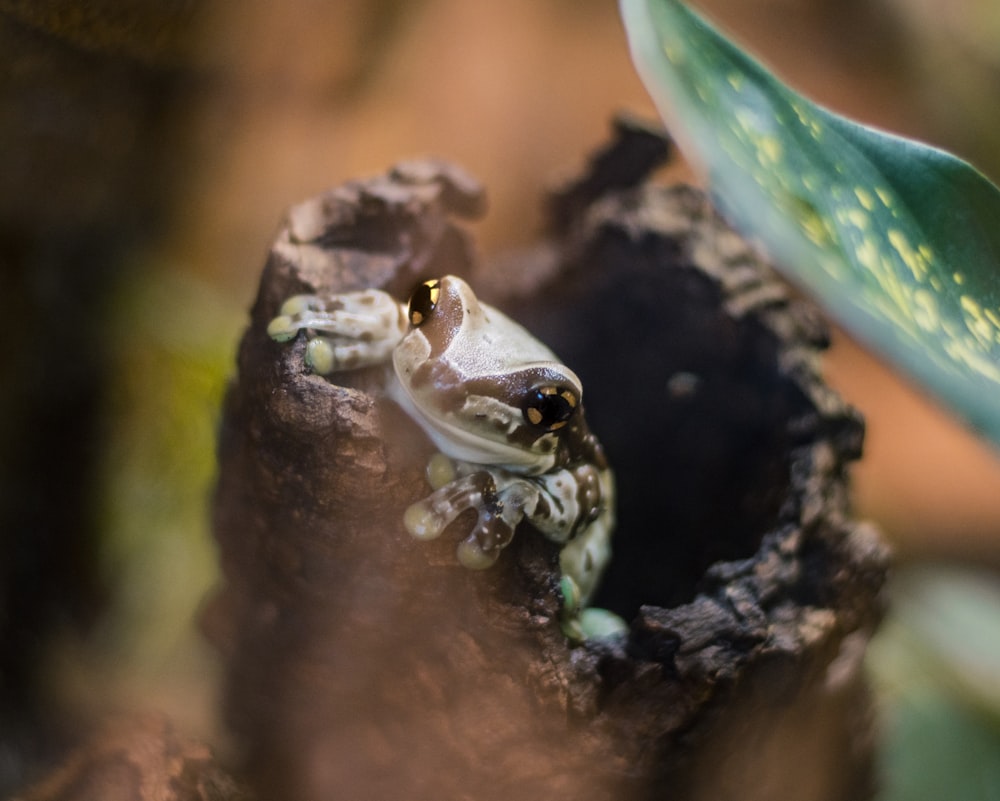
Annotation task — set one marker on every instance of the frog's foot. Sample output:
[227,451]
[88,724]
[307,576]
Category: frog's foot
[480,549]
[355,329]
[581,623]
[595,623]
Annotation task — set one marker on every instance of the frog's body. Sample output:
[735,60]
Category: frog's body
[502,409]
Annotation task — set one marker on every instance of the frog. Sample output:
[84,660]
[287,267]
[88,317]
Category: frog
[505,415]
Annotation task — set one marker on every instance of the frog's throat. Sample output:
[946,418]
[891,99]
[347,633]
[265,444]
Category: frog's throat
[471,446]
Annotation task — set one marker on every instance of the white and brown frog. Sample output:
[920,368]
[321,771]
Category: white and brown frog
[502,409]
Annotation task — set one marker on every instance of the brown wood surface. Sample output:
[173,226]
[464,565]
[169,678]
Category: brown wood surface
[362,664]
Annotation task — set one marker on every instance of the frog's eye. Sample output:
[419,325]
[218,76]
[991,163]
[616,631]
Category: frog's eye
[423,302]
[550,407]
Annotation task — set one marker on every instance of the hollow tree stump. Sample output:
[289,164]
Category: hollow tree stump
[364,664]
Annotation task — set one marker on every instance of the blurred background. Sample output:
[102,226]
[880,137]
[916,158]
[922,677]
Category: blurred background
[147,153]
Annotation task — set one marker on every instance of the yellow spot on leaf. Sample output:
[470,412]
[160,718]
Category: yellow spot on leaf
[857,218]
[969,304]
[770,149]
[977,323]
[746,120]
[925,312]
[867,254]
[911,258]
[815,227]
[865,198]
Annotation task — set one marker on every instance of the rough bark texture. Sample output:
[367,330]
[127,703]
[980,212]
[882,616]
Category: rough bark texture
[362,664]
[138,759]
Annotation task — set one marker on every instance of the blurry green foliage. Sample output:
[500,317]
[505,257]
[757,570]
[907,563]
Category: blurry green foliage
[173,341]
[936,663]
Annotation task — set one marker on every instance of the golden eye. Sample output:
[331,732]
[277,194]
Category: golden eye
[423,302]
[550,407]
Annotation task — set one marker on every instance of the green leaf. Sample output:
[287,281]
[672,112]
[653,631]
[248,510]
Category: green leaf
[900,242]
[934,663]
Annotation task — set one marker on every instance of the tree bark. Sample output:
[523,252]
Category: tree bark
[364,664]
[138,758]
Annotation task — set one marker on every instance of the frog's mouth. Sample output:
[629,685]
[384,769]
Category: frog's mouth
[486,442]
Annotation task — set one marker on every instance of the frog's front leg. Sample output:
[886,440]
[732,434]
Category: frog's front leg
[571,506]
[498,500]
[347,331]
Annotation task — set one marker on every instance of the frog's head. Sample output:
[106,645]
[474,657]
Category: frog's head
[482,387]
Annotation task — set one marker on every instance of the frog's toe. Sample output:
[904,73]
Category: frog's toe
[428,518]
[440,471]
[473,556]
[488,538]
[422,522]
[571,596]
[572,629]
[282,328]
[299,304]
[592,623]
[321,356]
[581,623]
[600,624]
